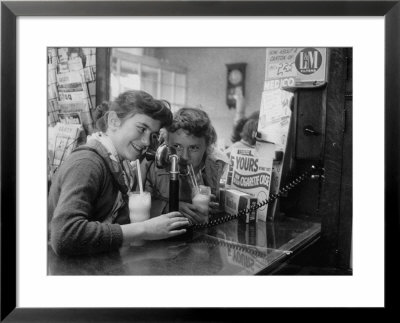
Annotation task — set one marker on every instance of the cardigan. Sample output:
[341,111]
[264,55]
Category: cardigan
[80,202]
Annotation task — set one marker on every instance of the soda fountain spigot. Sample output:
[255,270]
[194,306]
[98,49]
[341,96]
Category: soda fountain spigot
[166,157]
[174,183]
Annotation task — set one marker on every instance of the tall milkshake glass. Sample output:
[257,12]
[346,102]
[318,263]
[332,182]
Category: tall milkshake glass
[139,209]
[201,198]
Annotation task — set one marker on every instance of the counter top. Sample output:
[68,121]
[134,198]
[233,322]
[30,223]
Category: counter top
[231,248]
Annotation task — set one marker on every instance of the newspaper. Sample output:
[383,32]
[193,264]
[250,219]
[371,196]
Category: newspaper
[83,108]
[70,71]
[69,77]
[52,92]
[52,58]
[75,64]
[72,92]
[70,118]
[89,74]
[62,140]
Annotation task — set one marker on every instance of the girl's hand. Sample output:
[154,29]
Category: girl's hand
[164,226]
[192,212]
[214,205]
[214,208]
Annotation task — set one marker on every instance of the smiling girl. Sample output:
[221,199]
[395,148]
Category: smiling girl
[87,203]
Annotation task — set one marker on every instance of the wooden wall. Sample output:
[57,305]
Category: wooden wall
[329,111]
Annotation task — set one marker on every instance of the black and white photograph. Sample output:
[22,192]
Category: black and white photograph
[179,161]
[199,161]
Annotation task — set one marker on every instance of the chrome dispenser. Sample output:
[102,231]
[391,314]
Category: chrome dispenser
[166,157]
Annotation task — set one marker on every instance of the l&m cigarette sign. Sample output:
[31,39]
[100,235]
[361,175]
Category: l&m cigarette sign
[308,61]
[295,67]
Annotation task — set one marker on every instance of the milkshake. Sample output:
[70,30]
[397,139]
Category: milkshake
[201,199]
[139,209]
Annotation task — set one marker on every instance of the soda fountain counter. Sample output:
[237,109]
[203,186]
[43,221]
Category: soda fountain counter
[230,248]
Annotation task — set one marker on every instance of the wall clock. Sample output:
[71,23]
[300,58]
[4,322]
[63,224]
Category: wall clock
[235,82]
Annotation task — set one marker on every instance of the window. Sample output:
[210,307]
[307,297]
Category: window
[135,72]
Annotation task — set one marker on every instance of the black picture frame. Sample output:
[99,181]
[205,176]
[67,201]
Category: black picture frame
[10,10]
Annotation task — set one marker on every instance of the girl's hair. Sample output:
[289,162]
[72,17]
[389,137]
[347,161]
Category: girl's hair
[238,127]
[195,122]
[249,130]
[129,103]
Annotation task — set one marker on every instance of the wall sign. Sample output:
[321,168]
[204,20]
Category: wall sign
[295,67]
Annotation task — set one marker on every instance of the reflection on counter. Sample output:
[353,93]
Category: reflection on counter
[252,234]
[231,248]
[240,258]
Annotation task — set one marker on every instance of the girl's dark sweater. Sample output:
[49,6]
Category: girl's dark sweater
[80,201]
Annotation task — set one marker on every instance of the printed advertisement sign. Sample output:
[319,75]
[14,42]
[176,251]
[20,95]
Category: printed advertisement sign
[251,174]
[295,67]
[274,117]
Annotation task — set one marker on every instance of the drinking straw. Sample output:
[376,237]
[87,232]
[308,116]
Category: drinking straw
[194,175]
[190,176]
[139,176]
